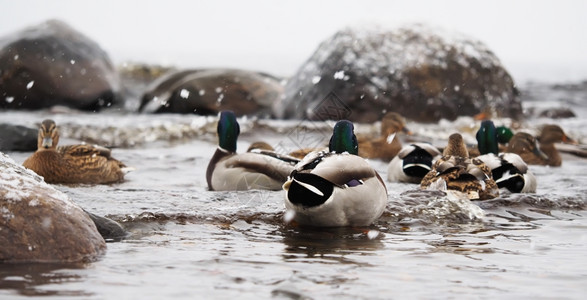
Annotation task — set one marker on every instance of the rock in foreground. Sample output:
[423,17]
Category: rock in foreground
[41,224]
[53,64]
[423,74]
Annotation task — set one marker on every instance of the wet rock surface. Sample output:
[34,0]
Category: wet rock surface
[53,64]
[556,101]
[423,74]
[206,92]
[17,138]
[39,223]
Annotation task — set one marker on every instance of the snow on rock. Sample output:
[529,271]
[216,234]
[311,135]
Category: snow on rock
[41,224]
[244,92]
[425,74]
[41,67]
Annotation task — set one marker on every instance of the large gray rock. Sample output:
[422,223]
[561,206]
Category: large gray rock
[17,138]
[41,224]
[421,73]
[206,92]
[53,64]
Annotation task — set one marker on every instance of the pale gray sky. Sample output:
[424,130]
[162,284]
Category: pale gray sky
[535,39]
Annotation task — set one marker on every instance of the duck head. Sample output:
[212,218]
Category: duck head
[504,135]
[48,137]
[228,131]
[456,146]
[554,134]
[487,138]
[393,122]
[343,138]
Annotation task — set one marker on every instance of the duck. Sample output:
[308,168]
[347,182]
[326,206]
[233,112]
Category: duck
[412,163]
[541,150]
[384,146]
[257,169]
[335,187]
[73,164]
[504,135]
[456,171]
[387,145]
[549,135]
[508,169]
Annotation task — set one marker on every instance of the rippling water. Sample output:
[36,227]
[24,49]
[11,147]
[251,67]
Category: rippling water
[187,242]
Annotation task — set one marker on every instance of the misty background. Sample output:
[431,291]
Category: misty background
[535,40]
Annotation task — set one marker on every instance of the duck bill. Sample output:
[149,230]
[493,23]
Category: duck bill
[407,131]
[568,140]
[481,116]
[47,142]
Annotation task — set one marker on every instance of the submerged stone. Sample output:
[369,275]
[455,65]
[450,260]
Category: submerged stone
[206,92]
[53,64]
[17,138]
[421,73]
[41,224]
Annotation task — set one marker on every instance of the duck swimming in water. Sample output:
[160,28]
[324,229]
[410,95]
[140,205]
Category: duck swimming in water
[508,169]
[456,171]
[257,169]
[335,187]
[412,163]
[89,164]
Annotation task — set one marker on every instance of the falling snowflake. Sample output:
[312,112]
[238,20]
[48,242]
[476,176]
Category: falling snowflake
[339,75]
[184,93]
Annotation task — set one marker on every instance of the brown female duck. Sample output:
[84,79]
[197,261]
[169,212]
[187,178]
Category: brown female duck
[525,145]
[456,171]
[387,145]
[72,164]
[549,135]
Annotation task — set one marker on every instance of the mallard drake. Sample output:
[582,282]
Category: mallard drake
[504,135]
[387,145]
[74,163]
[335,187]
[412,163]
[508,169]
[456,171]
[258,169]
[384,146]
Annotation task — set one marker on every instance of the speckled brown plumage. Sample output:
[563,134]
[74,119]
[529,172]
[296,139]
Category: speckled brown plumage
[72,164]
[456,171]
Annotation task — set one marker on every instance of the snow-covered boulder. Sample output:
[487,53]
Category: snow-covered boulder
[41,224]
[208,91]
[52,64]
[422,73]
